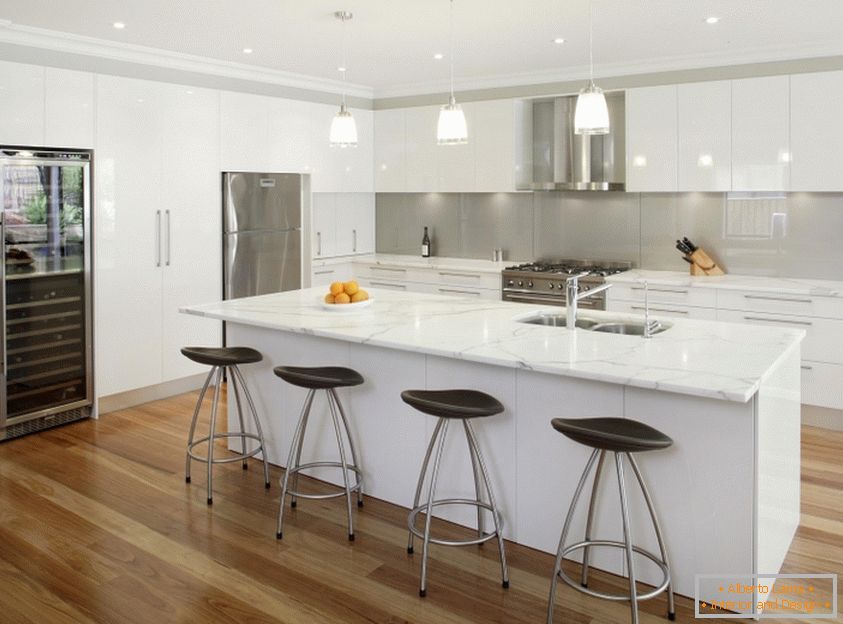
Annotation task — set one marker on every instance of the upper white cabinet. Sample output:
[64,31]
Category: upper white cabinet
[21,104]
[390,150]
[340,169]
[704,136]
[421,149]
[494,145]
[69,106]
[816,127]
[651,139]
[761,134]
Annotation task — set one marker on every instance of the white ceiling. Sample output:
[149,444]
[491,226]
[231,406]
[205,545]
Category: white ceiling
[391,42]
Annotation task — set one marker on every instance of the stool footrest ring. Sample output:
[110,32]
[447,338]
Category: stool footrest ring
[225,436]
[411,521]
[614,544]
[352,488]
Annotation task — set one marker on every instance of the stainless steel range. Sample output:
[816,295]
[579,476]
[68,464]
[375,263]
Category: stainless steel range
[544,281]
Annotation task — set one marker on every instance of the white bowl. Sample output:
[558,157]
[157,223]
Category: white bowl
[345,307]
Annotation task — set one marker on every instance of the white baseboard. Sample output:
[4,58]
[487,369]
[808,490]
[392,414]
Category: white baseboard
[131,398]
[822,417]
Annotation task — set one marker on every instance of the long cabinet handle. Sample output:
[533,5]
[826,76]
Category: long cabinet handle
[354,240]
[769,298]
[167,214]
[386,285]
[380,268]
[806,367]
[652,309]
[158,238]
[459,292]
[450,274]
[328,272]
[678,291]
[318,243]
[777,320]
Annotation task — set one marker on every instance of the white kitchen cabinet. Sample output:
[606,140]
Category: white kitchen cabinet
[21,104]
[662,310]
[357,163]
[324,274]
[651,139]
[421,149]
[244,144]
[455,164]
[340,169]
[761,134]
[157,150]
[494,145]
[69,106]
[816,131]
[390,151]
[288,136]
[355,223]
[704,142]
[324,230]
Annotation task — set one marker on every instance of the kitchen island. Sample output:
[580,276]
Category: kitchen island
[727,491]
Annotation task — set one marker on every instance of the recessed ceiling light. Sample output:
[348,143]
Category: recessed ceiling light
[559,40]
[438,56]
[712,20]
[247,50]
[119,25]
[341,68]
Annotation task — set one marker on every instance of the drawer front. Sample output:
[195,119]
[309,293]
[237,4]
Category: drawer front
[464,291]
[698,297]
[388,284]
[823,340]
[822,384]
[777,303]
[444,277]
[664,310]
[389,273]
[488,281]
[324,275]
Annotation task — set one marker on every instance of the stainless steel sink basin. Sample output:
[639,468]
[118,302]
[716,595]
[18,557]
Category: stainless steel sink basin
[627,329]
[607,326]
[556,320]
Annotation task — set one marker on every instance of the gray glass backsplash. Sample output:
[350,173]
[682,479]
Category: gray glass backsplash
[778,234]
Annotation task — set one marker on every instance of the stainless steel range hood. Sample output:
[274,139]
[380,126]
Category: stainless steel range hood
[564,161]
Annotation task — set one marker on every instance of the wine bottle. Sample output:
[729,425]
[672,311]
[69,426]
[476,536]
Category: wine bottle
[425,244]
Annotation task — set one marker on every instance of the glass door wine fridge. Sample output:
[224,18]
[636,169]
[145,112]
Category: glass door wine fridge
[45,334]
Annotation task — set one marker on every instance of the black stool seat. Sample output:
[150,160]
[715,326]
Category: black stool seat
[222,356]
[453,403]
[319,377]
[621,435]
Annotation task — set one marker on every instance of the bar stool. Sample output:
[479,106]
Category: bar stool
[221,359]
[450,405]
[623,437]
[327,378]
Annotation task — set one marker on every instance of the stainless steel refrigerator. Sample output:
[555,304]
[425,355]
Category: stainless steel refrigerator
[263,247]
[46,345]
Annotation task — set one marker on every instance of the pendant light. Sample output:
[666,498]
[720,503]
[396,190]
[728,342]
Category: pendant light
[591,115]
[343,126]
[451,129]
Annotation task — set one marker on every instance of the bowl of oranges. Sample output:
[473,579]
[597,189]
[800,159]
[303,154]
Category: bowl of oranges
[345,296]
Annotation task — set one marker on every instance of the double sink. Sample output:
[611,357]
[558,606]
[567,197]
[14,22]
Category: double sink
[606,326]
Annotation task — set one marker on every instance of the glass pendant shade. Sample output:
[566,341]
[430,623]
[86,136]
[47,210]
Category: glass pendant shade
[451,129]
[343,129]
[591,115]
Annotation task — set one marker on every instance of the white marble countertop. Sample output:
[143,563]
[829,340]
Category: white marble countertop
[701,358]
[789,285]
[435,262]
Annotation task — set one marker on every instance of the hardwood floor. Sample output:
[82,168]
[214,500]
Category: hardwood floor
[97,525]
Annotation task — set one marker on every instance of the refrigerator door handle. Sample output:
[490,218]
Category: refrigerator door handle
[158,238]
[167,214]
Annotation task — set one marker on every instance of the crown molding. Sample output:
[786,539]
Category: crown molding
[721,58]
[130,53]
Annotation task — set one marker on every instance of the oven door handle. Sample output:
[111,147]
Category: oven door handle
[533,298]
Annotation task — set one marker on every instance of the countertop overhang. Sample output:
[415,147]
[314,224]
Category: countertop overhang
[710,359]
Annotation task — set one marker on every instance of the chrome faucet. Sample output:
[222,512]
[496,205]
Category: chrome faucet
[650,327]
[572,296]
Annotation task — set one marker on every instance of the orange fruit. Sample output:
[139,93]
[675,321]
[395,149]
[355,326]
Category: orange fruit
[336,288]
[342,298]
[329,298]
[360,295]
[350,287]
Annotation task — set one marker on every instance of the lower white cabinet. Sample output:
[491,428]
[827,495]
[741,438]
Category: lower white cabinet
[156,220]
[662,309]
[325,274]
[439,281]
[822,384]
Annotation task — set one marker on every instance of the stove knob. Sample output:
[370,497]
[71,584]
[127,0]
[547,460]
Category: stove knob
[510,283]
[550,286]
[520,284]
[529,284]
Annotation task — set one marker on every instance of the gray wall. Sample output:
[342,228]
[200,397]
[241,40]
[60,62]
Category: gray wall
[785,234]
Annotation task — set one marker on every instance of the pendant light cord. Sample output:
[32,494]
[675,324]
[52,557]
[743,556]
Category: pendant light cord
[452,49]
[344,64]
[591,42]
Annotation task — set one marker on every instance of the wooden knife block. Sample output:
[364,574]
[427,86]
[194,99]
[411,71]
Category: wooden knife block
[702,264]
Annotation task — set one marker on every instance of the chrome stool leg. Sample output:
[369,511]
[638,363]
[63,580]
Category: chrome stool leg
[333,395]
[671,610]
[560,551]
[211,431]
[477,489]
[422,475]
[297,462]
[472,441]
[258,428]
[233,380]
[590,521]
[341,447]
[290,458]
[430,496]
[193,423]
[627,538]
